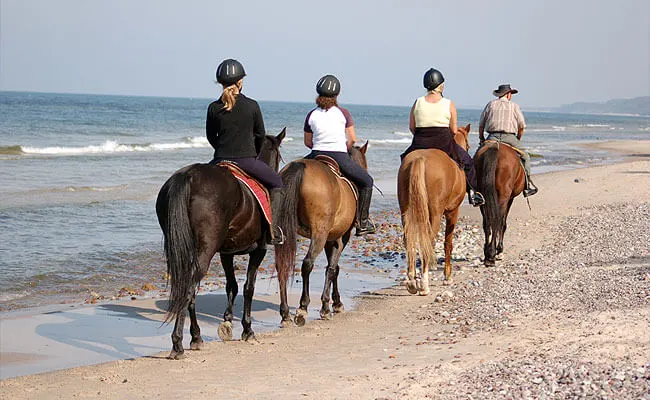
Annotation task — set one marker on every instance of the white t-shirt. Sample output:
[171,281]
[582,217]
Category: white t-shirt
[328,128]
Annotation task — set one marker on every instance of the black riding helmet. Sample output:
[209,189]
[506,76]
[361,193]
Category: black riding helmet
[328,86]
[433,78]
[229,72]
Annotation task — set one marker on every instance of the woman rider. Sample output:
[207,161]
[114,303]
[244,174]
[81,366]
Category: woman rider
[433,123]
[235,129]
[329,130]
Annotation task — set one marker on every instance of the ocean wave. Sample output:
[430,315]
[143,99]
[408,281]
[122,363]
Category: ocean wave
[111,146]
[390,141]
[407,134]
[590,126]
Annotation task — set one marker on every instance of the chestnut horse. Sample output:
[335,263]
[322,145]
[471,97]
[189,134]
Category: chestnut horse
[429,184]
[203,209]
[322,207]
[501,178]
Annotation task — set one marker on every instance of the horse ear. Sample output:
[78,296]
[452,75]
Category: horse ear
[364,148]
[281,135]
[467,127]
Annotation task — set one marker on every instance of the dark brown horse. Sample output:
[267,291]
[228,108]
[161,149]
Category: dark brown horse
[501,178]
[322,207]
[429,185]
[203,210]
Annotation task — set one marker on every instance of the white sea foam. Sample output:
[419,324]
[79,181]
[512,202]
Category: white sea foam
[111,146]
[391,141]
[407,134]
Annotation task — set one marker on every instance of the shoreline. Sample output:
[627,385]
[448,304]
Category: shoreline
[590,189]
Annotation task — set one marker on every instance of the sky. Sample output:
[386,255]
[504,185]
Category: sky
[554,51]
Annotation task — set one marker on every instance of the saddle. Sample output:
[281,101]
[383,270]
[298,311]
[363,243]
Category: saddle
[520,152]
[260,193]
[334,167]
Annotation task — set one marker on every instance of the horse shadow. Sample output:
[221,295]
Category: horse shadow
[122,331]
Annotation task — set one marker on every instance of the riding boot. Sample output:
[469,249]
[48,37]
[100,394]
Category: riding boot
[530,189]
[475,198]
[364,225]
[277,236]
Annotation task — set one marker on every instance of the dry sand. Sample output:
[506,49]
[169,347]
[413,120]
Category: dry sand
[565,315]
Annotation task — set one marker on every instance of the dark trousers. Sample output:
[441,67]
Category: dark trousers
[349,168]
[468,166]
[258,169]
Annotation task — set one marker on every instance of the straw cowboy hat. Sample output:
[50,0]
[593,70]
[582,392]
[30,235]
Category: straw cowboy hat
[504,89]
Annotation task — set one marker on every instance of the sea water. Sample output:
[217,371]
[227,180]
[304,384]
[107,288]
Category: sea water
[79,175]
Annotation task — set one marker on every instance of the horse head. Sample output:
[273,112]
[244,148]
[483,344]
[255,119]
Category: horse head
[358,155]
[461,136]
[270,151]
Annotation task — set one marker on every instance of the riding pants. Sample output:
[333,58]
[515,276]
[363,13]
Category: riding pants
[258,169]
[349,168]
[511,139]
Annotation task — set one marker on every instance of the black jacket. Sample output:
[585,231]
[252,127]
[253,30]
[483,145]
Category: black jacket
[237,133]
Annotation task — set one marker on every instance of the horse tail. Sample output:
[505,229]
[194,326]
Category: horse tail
[418,233]
[172,207]
[287,219]
[487,181]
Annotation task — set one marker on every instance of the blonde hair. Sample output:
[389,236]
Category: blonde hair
[229,95]
[439,89]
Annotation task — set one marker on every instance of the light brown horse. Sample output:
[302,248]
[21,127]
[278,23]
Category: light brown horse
[322,207]
[501,178]
[429,184]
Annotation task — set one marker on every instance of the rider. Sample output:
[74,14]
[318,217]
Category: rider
[235,129]
[329,130]
[503,120]
[433,122]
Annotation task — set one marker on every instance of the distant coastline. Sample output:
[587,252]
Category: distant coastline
[638,106]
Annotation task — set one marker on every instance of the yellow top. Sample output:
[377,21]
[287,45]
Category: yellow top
[432,114]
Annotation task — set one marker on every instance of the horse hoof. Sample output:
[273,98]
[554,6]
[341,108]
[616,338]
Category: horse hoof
[300,320]
[196,345]
[447,282]
[286,323]
[424,292]
[339,309]
[499,257]
[489,263]
[325,315]
[174,355]
[411,286]
[225,331]
[248,337]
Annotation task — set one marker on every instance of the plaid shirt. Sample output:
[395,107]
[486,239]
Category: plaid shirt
[502,115]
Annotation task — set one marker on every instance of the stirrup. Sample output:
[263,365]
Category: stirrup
[530,191]
[477,199]
[275,240]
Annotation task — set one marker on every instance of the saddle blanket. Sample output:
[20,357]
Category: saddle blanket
[259,192]
[334,167]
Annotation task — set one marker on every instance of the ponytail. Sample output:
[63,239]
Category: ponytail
[229,95]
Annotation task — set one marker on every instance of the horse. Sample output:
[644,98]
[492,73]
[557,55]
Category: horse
[429,184]
[202,210]
[501,178]
[321,206]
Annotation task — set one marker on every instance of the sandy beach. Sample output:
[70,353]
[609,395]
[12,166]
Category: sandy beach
[565,314]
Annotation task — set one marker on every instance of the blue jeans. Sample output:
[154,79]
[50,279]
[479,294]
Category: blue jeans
[349,168]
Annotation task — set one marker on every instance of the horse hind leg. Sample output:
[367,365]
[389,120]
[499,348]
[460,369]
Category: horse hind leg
[254,261]
[450,224]
[315,247]
[177,352]
[337,305]
[195,331]
[225,328]
[333,250]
